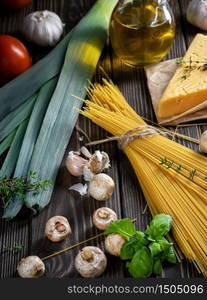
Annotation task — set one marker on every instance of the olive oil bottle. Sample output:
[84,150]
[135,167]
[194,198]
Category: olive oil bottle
[142,31]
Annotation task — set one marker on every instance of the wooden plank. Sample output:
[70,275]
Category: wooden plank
[133,85]
[128,200]
[15,232]
[69,204]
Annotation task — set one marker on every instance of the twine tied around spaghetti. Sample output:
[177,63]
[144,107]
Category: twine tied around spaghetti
[131,135]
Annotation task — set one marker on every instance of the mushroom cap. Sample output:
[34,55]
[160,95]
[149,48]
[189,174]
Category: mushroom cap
[31,267]
[103,222]
[92,267]
[101,187]
[57,228]
[114,243]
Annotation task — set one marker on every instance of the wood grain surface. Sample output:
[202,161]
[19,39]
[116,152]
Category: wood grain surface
[127,200]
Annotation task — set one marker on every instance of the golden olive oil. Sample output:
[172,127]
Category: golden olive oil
[142,34]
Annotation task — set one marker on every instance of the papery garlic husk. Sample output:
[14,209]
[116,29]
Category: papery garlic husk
[203,142]
[43,28]
[75,163]
[80,188]
[197,13]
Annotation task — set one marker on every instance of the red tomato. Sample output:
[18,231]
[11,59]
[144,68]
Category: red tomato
[14,58]
[15,3]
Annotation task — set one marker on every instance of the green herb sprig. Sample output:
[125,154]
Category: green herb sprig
[12,187]
[178,168]
[16,248]
[190,65]
[145,251]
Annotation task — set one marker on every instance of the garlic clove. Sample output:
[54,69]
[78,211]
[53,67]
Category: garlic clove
[203,142]
[75,164]
[101,187]
[85,152]
[98,162]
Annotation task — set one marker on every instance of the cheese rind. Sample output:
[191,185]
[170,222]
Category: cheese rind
[182,94]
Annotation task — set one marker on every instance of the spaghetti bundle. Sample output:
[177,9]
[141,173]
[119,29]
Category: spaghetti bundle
[173,177]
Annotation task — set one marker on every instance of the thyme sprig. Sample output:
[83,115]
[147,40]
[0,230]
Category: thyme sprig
[178,168]
[190,65]
[13,248]
[12,187]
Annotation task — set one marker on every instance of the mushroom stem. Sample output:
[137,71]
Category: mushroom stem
[103,214]
[59,227]
[87,254]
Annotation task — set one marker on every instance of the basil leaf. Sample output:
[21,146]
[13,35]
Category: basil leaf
[170,255]
[155,248]
[141,264]
[140,237]
[124,227]
[159,226]
[129,248]
[157,267]
[164,244]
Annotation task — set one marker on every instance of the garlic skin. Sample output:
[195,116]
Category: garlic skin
[197,13]
[203,142]
[43,28]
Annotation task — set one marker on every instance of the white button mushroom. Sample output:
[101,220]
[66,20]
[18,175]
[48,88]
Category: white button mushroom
[57,228]
[103,217]
[114,243]
[101,187]
[203,142]
[31,267]
[90,262]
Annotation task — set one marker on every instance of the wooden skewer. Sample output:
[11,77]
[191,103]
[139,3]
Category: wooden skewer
[75,245]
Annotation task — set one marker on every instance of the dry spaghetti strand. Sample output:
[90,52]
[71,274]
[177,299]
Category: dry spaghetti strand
[173,177]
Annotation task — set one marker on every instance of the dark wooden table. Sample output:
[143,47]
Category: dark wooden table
[127,200]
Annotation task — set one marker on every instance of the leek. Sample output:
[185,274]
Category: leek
[85,47]
[24,86]
[15,118]
[12,156]
[6,143]
[22,166]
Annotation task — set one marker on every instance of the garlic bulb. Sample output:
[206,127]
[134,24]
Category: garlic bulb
[197,13]
[203,142]
[43,28]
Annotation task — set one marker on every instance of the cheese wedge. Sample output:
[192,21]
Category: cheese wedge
[187,88]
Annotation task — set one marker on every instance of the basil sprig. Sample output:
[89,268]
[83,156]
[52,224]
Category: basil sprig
[145,251]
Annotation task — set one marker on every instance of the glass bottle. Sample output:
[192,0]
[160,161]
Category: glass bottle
[142,31]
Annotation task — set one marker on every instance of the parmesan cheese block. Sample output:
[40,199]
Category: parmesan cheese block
[187,88]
